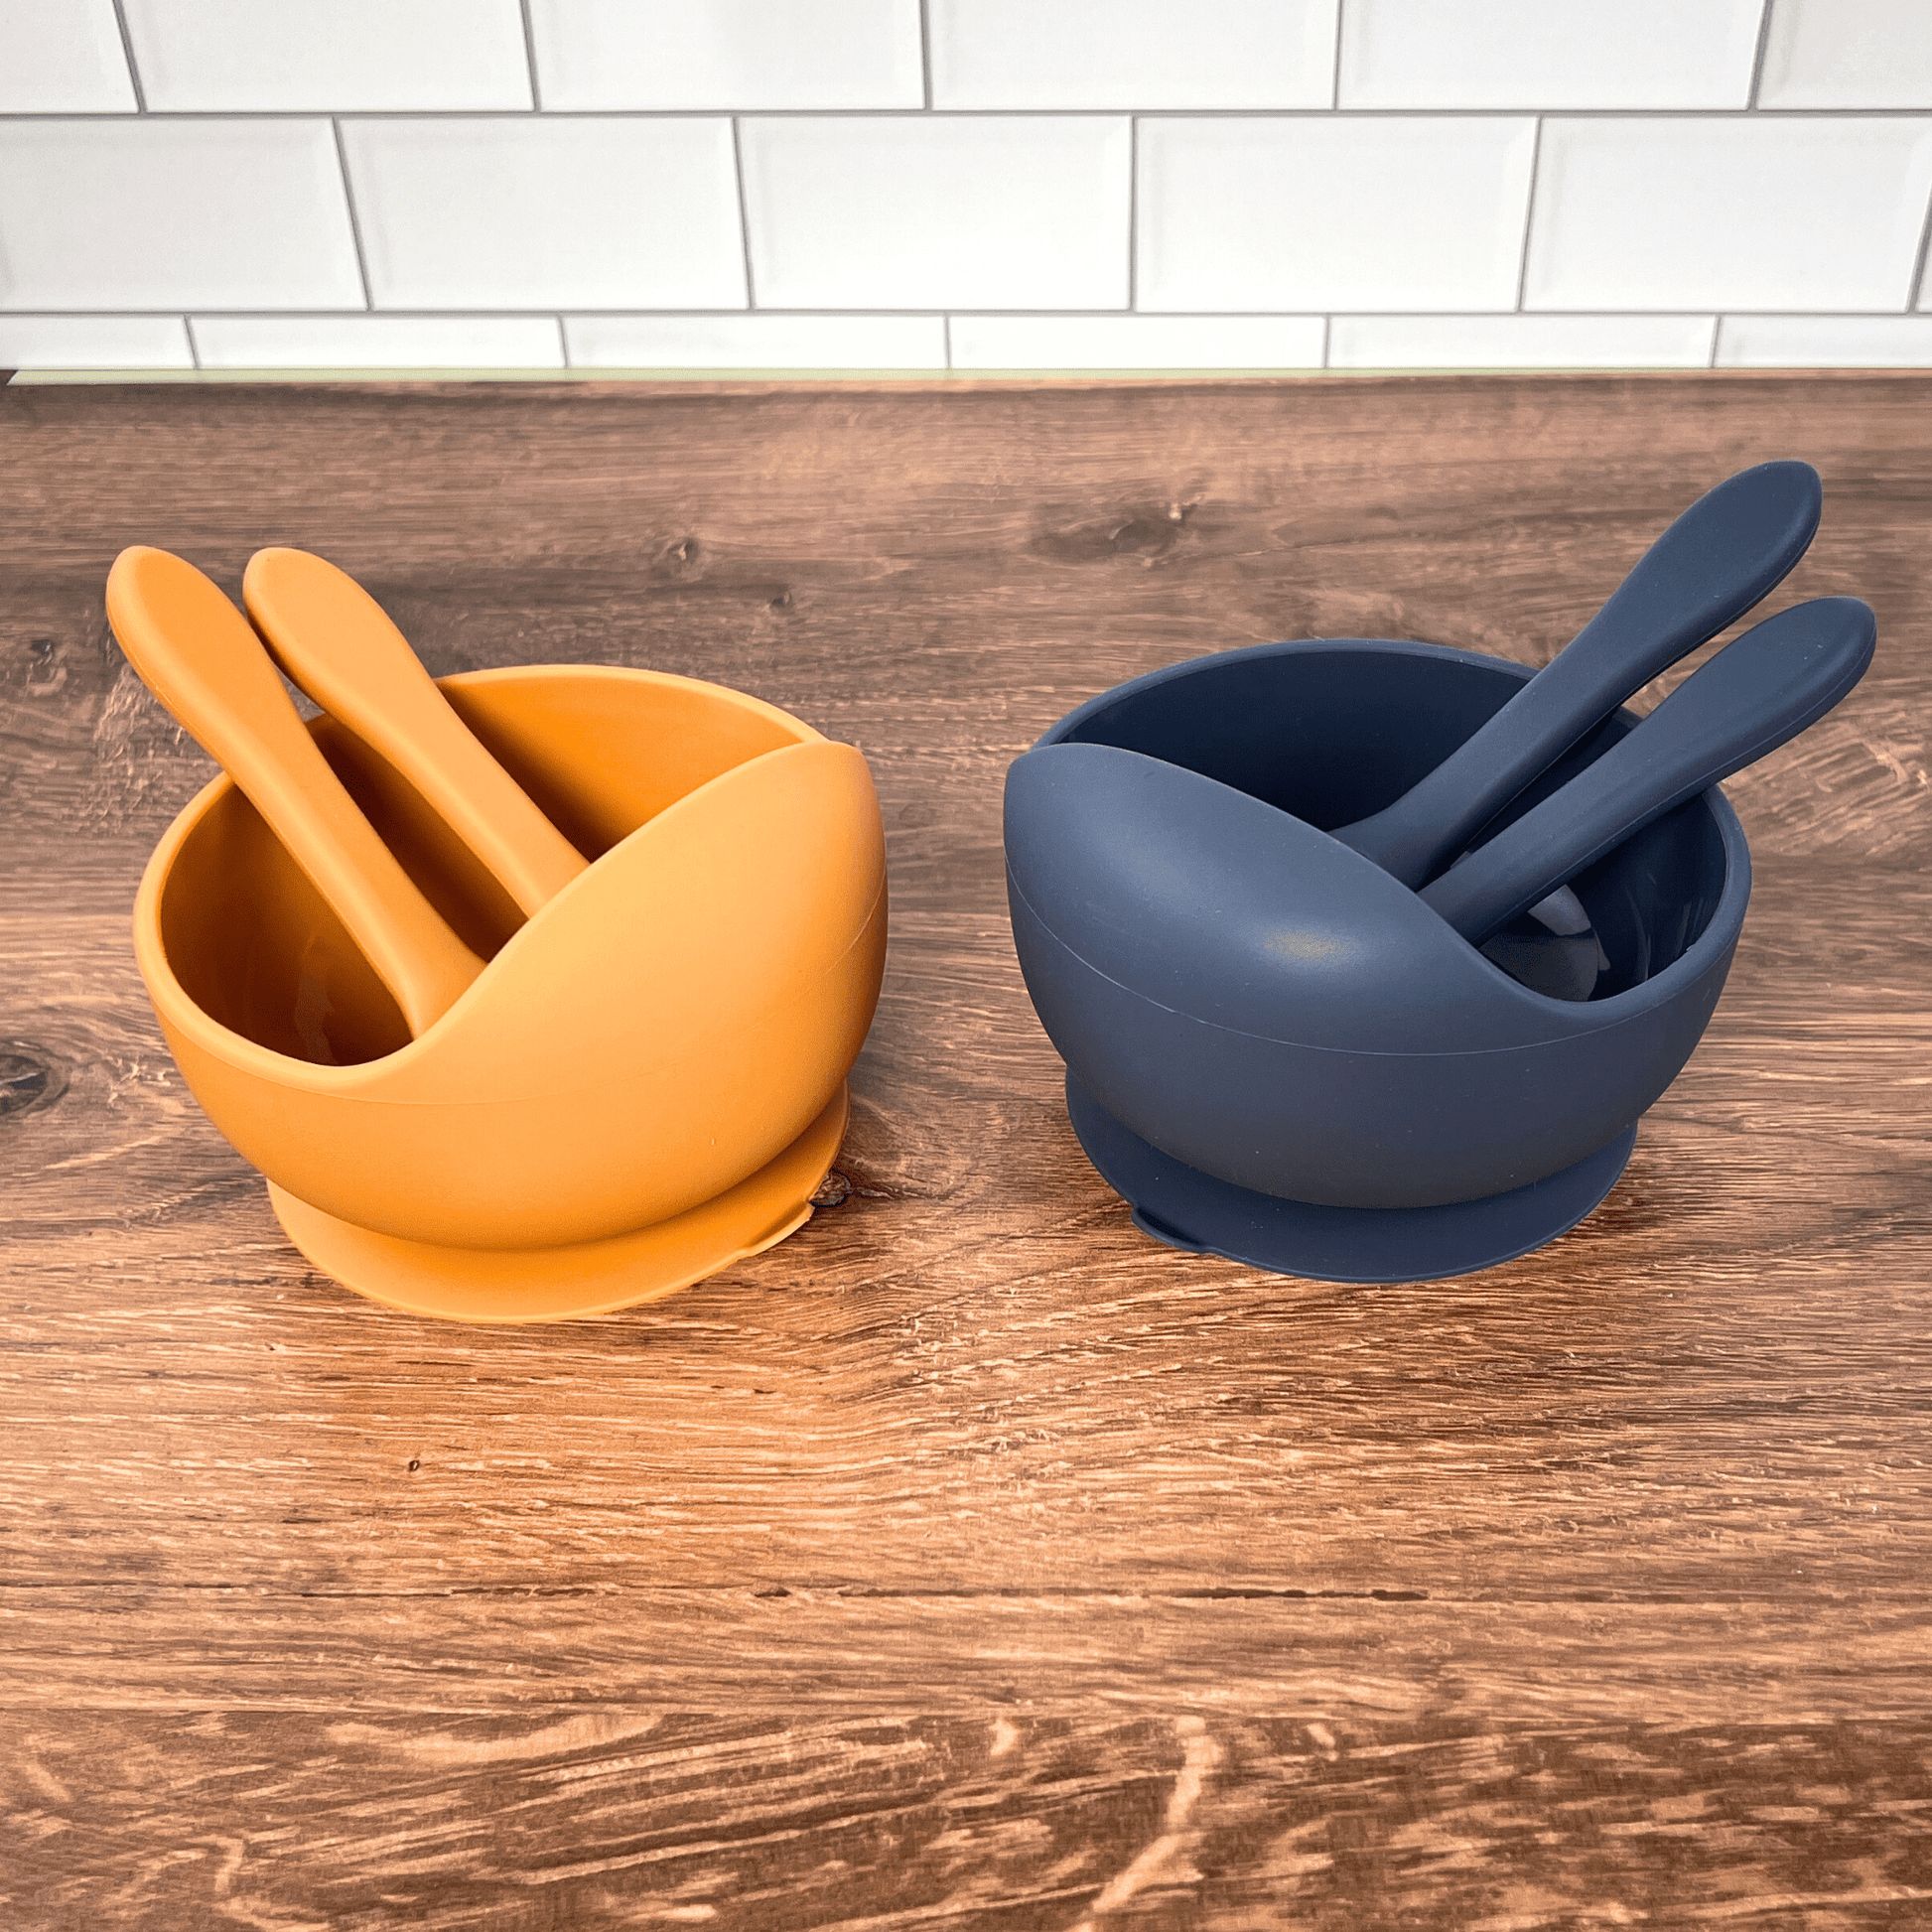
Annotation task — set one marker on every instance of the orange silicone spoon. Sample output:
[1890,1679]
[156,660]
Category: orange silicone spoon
[338,643]
[199,656]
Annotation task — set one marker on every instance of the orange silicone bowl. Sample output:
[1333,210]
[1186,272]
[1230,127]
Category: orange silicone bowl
[647,1079]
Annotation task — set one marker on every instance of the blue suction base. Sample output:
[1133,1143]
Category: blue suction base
[1192,1210]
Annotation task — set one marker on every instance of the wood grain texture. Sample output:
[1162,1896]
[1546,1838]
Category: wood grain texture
[968,1560]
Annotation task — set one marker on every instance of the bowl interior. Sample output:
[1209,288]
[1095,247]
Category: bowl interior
[602,752]
[1334,730]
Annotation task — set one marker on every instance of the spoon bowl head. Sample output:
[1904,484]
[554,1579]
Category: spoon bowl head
[1255,999]
[669,1024]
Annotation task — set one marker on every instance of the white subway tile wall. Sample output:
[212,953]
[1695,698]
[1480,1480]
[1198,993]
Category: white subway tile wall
[970,185]
[1137,341]
[547,212]
[94,343]
[1730,212]
[1520,341]
[1848,54]
[149,213]
[318,56]
[756,341]
[62,56]
[1318,212]
[726,54]
[938,211]
[1544,53]
[1132,54]
[378,341]
[1825,341]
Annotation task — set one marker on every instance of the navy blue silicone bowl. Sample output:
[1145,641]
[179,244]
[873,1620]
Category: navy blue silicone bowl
[1257,1087]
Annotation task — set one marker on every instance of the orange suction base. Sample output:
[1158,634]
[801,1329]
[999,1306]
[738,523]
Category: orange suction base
[589,1278]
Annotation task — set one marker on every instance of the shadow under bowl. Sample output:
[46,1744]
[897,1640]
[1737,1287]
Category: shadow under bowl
[1256,1090]
[645,1082]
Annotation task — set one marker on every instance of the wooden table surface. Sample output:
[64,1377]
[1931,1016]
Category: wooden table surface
[968,1560]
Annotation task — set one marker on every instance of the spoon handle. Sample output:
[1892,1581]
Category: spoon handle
[338,646]
[198,656]
[1734,544]
[1778,677]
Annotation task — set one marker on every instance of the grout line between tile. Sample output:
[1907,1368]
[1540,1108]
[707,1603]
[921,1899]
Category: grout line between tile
[1132,213]
[848,375]
[925,52]
[1178,315]
[1758,54]
[1334,74]
[134,72]
[743,215]
[1915,291]
[1918,114]
[127,49]
[530,58]
[354,222]
[1529,215]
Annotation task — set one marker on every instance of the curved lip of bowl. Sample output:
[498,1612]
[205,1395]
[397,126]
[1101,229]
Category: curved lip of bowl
[170,998]
[1721,930]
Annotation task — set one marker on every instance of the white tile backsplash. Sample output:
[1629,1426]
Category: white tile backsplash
[726,54]
[934,211]
[1728,213]
[1848,54]
[1004,54]
[756,341]
[1137,341]
[1548,53]
[1318,212]
[146,214]
[62,56]
[978,185]
[1825,341]
[378,341]
[328,56]
[534,212]
[1520,341]
[93,343]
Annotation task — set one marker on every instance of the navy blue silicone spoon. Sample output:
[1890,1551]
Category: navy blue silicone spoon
[1780,676]
[1730,548]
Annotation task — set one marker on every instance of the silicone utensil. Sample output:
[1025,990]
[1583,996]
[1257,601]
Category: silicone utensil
[1734,545]
[338,646]
[1782,675]
[199,656]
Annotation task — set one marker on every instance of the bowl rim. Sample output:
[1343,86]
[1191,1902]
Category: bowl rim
[1720,933]
[170,999]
